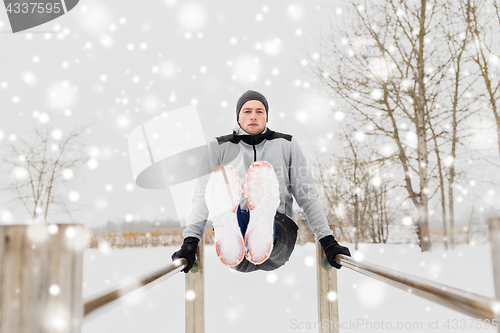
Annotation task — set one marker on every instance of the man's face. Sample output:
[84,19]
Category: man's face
[253,117]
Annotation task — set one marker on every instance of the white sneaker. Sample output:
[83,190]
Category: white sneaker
[261,190]
[222,196]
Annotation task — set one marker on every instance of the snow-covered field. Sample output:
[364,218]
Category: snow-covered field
[285,300]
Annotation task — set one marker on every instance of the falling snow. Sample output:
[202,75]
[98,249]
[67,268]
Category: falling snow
[74,196]
[292,296]
[128,68]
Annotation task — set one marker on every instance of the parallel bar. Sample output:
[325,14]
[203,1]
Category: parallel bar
[146,280]
[462,301]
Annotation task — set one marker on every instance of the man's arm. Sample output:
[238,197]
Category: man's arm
[197,218]
[303,188]
[307,196]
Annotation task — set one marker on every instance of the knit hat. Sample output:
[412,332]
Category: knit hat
[250,95]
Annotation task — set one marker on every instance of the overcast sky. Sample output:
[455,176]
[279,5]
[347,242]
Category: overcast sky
[122,63]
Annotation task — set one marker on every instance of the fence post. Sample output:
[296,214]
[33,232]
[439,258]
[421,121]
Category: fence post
[195,294]
[494,232]
[41,278]
[328,306]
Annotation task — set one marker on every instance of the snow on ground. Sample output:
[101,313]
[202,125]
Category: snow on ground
[285,300]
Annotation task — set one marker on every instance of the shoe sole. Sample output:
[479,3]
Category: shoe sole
[261,190]
[222,196]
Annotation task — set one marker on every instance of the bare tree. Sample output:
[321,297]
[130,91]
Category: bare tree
[483,22]
[388,63]
[355,189]
[41,165]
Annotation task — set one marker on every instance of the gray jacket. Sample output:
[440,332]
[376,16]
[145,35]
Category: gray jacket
[282,151]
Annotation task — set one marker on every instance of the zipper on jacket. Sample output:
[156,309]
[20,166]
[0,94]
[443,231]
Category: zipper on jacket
[254,151]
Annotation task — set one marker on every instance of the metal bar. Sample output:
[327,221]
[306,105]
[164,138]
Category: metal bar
[462,301]
[494,232]
[144,281]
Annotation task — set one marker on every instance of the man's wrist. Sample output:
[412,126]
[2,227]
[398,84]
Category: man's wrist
[191,240]
[327,241]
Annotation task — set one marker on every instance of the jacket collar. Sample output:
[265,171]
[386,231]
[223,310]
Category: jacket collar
[240,134]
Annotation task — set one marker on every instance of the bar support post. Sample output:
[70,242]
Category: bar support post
[328,306]
[494,232]
[41,278]
[195,294]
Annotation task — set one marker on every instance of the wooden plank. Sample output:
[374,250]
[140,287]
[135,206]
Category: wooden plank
[328,306]
[494,233]
[195,294]
[41,278]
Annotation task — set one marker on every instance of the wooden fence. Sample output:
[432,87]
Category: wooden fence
[41,282]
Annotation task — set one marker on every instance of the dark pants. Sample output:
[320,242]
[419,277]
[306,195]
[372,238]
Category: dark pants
[285,236]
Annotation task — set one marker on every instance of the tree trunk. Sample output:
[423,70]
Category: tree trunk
[441,187]
[356,221]
[420,108]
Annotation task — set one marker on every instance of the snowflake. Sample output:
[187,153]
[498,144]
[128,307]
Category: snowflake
[371,293]
[67,173]
[309,261]
[246,69]
[61,95]
[29,78]
[20,173]
[54,290]
[332,296]
[57,134]
[271,277]
[168,69]
[53,229]
[272,46]
[295,12]
[190,295]
[407,220]
[360,136]
[107,41]
[6,216]
[192,16]
[92,164]
[376,181]
[123,121]
[74,196]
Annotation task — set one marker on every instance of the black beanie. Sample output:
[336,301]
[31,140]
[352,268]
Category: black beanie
[250,95]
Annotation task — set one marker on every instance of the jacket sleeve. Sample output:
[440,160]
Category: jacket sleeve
[197,218]
[303,188]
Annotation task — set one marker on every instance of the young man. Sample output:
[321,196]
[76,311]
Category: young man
[252,224]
